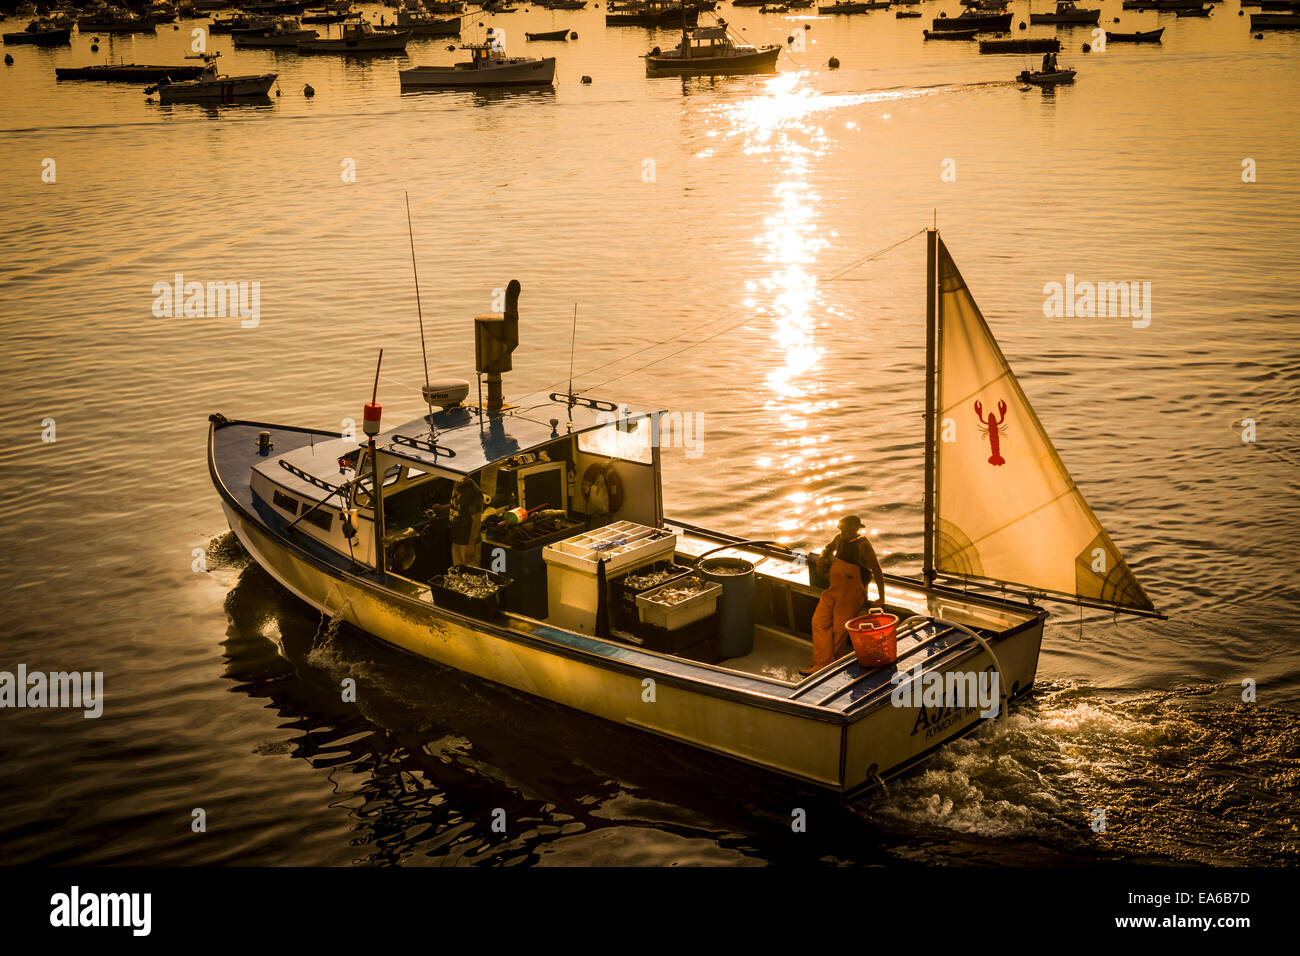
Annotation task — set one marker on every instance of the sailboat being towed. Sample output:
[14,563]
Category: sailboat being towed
[559,610]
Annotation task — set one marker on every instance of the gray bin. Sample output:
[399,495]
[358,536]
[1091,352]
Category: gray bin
[735,606]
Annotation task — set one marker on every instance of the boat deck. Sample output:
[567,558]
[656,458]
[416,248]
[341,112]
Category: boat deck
[767,676]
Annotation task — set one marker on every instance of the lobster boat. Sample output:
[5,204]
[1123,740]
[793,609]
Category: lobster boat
[1066,14]
[710,51]
[41,32]
[211,86]
[971,19]
[581,590]
[488,66]
[357,39]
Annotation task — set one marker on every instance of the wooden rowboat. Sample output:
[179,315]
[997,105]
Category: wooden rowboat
[549,35]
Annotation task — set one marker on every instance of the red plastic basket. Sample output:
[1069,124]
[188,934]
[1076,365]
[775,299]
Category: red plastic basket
[873,637]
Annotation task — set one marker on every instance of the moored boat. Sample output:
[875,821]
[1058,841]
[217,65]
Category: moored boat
[421,23]
[1195,12]
[907,14]
[845,8]
[115,20]
[325,16]
[601,602]
[972,20]
[1066,13]
[358,38]
[211,86]
[41,32]
[284,33]
[710,51]
[949,34]
[653,13]
[128,72]
[488,66]
[1028,45]
[1275,21]
[548,35]
[1142,36]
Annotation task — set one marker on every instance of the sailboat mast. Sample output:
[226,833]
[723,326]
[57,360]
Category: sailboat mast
[931,383]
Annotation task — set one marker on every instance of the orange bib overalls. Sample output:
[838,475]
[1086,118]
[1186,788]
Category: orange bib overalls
[842,600]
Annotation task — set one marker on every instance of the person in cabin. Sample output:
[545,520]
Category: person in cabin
[466,518]
[845,562]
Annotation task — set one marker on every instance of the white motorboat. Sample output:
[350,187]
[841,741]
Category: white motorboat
[488,66]
[214,86]
[560,601]
[710,51]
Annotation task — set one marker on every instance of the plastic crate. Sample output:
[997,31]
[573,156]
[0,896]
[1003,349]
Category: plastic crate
[671,617]
[479,607]
[626,616]
[623,544]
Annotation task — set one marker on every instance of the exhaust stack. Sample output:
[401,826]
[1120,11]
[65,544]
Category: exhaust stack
[496,336]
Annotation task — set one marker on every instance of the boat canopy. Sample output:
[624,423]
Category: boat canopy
[709,33]
[465,440]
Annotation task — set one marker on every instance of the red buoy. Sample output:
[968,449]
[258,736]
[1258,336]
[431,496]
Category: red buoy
[370,423]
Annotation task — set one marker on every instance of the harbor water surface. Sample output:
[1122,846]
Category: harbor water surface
[731,216]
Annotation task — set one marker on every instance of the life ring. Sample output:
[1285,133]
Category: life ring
[613,484]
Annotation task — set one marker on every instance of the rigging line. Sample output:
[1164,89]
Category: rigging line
[419,311]
[875,255]
[856,264]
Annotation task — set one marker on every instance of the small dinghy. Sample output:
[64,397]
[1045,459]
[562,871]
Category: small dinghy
[549,35]
[1198,12]
[1046,77]
[950,34]
[844,8]
[907,14]
[1148,36]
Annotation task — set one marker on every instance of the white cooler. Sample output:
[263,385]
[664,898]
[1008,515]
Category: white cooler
[571,568]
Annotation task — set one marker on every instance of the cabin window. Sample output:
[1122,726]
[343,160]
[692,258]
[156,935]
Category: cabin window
[320,518]
[284,502]
[364,485]
[627,439]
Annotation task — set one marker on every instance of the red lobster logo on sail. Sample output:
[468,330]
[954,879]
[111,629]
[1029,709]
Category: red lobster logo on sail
[992,429]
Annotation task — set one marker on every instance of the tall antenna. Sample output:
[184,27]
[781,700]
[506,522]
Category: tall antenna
[419,311]
[572,338]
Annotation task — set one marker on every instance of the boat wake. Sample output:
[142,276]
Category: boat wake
[1162,776]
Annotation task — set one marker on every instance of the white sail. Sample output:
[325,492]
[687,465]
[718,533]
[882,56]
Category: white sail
[1006,508]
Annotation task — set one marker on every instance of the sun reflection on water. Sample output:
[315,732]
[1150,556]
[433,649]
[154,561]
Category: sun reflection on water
[783,124]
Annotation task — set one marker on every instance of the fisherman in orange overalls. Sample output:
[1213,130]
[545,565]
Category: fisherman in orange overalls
[843,561]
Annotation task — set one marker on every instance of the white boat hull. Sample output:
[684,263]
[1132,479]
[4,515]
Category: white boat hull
[832,751]
[221,89]
[524,72]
